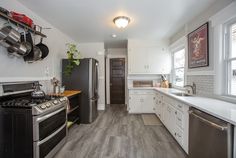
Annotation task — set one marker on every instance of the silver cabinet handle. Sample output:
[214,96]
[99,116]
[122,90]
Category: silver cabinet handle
[223,128]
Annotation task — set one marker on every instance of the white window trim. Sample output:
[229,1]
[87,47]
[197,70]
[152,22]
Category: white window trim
[177,46]
[227,59]
[217,24]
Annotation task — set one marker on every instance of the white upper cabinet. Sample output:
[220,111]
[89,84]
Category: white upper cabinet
[148,58]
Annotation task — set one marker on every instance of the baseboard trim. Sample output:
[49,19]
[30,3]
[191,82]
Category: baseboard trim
[101,106]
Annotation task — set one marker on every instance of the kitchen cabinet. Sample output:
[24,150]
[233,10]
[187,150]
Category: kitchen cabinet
[141,101]
[157,106]
[149,60]
[169,117]
[137,61]
[174,115]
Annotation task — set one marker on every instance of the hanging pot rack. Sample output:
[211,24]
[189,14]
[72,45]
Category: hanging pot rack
[6,17]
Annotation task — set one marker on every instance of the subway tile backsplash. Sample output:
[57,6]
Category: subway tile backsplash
[204,83]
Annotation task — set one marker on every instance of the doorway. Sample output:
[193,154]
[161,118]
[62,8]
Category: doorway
[117,81]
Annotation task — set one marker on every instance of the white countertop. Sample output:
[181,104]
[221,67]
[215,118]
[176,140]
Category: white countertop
[221,109]
[142,88]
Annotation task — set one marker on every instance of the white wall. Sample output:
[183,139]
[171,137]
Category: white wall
[115,53]
[14,69]
[96,50]
[194,24]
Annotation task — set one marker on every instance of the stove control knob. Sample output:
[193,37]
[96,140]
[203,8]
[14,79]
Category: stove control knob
[48,105]
[55,102]
[43,107]
[62,99]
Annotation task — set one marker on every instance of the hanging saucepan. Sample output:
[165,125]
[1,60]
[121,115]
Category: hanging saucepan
[27,44]
[18,49]
[2,40]
[44,49]
[11,35]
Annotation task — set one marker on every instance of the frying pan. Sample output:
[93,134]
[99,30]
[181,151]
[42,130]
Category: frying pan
[44,48]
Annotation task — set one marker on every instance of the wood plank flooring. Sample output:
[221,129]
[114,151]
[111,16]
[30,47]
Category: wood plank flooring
[117,134]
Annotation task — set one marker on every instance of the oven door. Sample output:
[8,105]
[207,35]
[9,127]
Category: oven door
[47,124]
[49,146]
[50,133]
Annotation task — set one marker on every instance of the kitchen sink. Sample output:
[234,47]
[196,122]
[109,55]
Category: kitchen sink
[182,94]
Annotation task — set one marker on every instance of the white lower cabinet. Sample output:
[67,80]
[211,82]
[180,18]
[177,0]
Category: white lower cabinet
[141,101]
[174,115]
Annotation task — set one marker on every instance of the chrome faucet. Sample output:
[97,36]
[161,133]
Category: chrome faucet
[193,87]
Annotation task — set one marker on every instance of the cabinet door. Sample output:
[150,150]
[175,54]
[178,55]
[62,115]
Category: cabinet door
[164,114]
[170,119]
[148,101]
[138,61]
[135,104]
[158,108]
[159,60]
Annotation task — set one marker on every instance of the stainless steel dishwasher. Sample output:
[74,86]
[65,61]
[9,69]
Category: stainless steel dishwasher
[209,137]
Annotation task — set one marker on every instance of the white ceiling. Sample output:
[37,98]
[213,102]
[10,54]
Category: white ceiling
[91,20]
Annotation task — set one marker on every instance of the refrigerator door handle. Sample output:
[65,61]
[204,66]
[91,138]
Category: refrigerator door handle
[94,99]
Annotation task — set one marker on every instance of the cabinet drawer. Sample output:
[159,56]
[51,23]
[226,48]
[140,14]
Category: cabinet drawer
[179,106]
[168,100]
[179,136]
[141,92]
[179,119]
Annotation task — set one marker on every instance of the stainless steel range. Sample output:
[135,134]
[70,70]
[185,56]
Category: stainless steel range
[30,127]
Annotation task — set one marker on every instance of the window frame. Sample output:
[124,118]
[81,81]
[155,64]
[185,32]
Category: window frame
[179,48]
[227,57]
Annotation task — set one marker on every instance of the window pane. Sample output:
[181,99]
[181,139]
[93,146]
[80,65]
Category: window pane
[179,58]
[233,42]
[233,78]
[179,77]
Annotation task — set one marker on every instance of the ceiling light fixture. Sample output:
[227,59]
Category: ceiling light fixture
[121,21]
[114,35]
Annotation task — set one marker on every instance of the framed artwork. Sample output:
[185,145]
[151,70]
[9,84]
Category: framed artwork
[198,47]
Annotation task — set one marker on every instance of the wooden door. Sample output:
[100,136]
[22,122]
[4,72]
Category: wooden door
[117,81]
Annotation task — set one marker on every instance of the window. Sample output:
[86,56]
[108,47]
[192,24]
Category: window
[231,58]
[178,67]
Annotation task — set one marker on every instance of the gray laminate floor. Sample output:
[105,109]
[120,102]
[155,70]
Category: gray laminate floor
[117,134]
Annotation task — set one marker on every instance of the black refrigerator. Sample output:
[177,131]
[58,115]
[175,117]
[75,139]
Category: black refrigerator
[85,78]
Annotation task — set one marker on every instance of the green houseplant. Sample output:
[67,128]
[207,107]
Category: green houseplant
[73,56]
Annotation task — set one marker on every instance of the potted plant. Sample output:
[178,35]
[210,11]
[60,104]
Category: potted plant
[73,56]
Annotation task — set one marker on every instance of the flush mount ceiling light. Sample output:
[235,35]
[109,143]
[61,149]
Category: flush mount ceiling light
[121,21]
[114,35]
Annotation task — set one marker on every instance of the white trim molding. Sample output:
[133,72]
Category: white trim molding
[101,106]
[112,56]
[217,22]
[179,44]
[199,73]
[226,14]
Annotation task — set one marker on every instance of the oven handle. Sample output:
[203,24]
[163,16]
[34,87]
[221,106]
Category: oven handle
[52,135]
[40,119]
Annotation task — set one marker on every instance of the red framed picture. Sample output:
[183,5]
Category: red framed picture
[198,47]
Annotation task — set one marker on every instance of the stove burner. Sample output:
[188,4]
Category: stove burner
[29,102]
